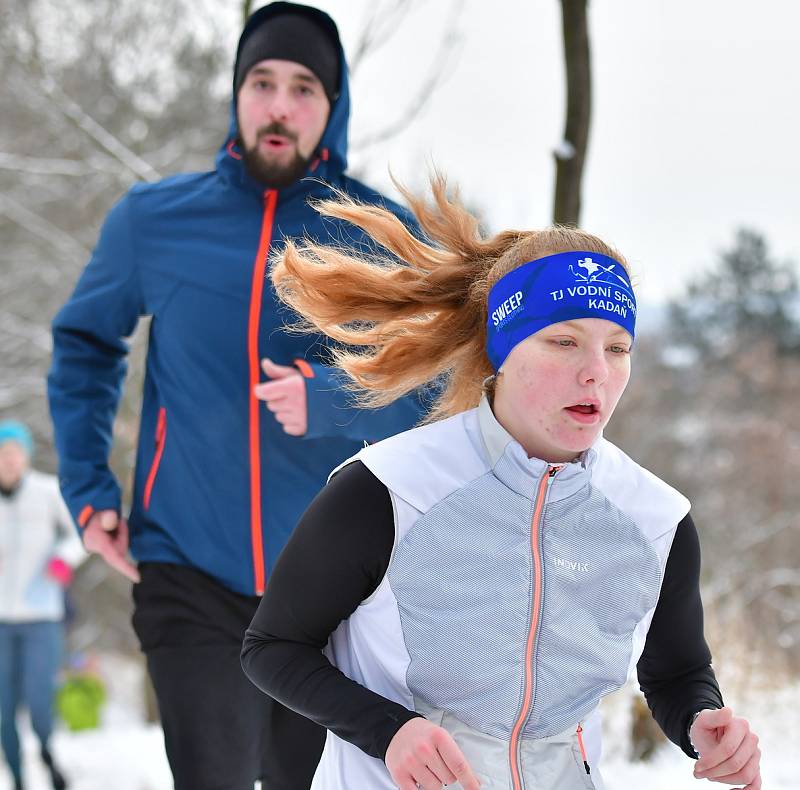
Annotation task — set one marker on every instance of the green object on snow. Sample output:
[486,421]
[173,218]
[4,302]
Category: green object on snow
[80,700]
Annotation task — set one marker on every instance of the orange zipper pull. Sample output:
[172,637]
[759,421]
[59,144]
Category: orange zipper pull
[583,751]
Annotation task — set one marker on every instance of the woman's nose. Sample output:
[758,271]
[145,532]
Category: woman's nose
[594,369]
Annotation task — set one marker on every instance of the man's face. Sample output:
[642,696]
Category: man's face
[13,463]
[282,111]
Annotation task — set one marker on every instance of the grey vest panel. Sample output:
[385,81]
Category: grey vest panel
[601,577]
[469,558]
[466,559]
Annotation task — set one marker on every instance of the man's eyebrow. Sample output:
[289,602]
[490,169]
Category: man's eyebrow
[307,79]
[261,70]
[266,71]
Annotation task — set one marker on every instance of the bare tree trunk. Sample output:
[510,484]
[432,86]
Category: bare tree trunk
[571,153]
[247,9]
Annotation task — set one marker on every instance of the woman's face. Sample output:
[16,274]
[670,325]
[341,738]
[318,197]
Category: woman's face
[558,388]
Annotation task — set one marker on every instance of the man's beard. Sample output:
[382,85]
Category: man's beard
[271,174]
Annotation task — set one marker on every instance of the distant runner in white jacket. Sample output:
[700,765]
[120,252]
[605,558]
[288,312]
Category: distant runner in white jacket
[39,546]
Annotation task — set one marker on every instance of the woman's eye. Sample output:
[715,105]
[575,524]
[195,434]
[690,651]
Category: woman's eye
[619,350]
[566,342]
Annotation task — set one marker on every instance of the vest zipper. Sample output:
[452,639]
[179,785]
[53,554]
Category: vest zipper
[579,731]
[517,779]
[254,362]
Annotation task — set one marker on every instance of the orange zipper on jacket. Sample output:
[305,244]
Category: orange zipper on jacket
[527,696]
[161,438]
[256,294]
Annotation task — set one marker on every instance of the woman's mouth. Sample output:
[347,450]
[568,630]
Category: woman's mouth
[586,413]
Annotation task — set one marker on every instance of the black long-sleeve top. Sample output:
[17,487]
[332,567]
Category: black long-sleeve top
[337,557]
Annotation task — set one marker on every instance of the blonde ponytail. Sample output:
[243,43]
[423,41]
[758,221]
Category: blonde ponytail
[420,317]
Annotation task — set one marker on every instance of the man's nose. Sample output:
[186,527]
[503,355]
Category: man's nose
[279,107]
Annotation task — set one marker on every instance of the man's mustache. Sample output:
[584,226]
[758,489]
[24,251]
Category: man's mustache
[276,128]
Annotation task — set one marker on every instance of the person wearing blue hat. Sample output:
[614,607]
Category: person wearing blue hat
[38,549]
[241,420]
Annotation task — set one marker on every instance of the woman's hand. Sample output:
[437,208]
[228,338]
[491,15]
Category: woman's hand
[426,756]
[728,749]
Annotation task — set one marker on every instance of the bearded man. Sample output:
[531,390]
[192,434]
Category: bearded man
[241,420]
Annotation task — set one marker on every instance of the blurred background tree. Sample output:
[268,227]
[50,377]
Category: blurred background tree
[747,298]
[570,155]
[711,408]
[97,95]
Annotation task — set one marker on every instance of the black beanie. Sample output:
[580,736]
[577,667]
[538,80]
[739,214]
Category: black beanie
[296,35]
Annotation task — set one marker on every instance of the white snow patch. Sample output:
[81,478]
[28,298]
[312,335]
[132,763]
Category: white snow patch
[128,754]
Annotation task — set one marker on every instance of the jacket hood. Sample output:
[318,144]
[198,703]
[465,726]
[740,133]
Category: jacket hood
[331,158]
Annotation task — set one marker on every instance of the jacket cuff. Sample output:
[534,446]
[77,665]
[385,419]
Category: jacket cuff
[687,745]
[306,369]
[88,501]
[384,738]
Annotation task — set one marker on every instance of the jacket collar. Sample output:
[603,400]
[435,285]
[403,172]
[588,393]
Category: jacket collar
[512,466]
[231,168]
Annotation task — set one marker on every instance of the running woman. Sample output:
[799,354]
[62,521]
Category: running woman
[458,599]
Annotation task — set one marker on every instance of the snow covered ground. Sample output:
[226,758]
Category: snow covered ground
[772,715]
[126,754]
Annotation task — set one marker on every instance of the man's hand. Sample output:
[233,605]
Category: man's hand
[728,749]
[285,396]
[426,756]
[106,534]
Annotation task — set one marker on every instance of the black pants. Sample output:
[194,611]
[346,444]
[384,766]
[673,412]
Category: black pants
[221,732]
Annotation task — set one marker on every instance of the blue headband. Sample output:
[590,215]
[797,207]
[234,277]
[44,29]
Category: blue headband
[556,288]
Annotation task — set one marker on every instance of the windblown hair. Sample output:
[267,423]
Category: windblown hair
[420,317]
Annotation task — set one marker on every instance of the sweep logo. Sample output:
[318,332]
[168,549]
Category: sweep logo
[506,309]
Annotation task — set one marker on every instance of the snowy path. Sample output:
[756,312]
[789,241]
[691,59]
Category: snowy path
[126,755]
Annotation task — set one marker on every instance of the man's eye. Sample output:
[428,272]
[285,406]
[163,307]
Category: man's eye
[619,350]
[566,342]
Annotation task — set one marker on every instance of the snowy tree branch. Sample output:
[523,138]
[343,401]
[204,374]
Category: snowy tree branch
[427,89]
[40,227]
[98,133]
[51,167]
